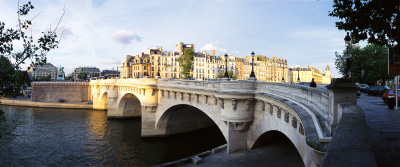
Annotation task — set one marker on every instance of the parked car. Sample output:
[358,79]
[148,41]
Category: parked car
[363,87]
[62,100]
[377,89]
[390,94]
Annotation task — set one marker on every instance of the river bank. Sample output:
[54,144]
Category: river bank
[26,102]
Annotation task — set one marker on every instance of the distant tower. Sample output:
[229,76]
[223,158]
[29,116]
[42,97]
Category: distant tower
[327,71]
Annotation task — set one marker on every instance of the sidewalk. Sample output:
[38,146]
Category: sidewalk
[278,152]
[384,129]
[24,101]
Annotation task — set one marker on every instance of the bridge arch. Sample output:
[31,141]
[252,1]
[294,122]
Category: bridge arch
[185,118]
[290,154]
[129,106]
[104,101]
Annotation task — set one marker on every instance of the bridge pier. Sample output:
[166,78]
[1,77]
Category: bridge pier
[149,122]
[238,113]
[237,137]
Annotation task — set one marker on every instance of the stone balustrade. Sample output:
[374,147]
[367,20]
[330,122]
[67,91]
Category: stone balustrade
[243,110]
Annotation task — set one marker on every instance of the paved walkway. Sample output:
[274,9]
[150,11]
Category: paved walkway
[24,101]
[278,152]
[384,129]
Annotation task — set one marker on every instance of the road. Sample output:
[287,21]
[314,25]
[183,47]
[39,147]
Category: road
[384,129]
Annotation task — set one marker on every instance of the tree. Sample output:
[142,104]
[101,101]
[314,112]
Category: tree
[375,20]
[47,77]
[186,62]
[230,73]
[372,59]
[82,75]
[11,60]
[12,81]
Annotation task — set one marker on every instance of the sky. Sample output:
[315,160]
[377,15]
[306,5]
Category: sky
[101,33]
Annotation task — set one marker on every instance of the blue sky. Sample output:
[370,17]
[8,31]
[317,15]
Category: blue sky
[102,33]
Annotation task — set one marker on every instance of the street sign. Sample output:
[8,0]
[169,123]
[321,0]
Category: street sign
[394,63]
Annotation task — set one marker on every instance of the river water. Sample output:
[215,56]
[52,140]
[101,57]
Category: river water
[73,137]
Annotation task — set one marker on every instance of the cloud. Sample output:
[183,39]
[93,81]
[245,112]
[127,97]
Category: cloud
[112,61]
[211,46]
[125,37]
[64,30]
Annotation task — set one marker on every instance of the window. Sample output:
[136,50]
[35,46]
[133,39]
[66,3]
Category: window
[144,67]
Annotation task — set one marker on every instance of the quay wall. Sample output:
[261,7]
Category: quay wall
[53,91]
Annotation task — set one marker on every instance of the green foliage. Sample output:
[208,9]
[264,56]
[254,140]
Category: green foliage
[372,59]
[230,73]
[186,62]
[47,77]
[82,75]
[375,20]
[68,78]
[220,74]
[96,75]
[11,81]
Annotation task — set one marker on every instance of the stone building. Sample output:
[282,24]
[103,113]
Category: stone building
[309,73]
[141,66]
[110,74]
[126,67]
[180,47]
[239,69]
[155,55]
[205,66]
[169,65]
[90,72]
[39,72]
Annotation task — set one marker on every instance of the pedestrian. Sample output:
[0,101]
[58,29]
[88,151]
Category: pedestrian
[313,84]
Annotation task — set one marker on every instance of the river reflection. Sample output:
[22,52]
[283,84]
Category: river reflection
[65,137]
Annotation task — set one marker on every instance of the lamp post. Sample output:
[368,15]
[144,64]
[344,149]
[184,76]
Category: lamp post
[298,74]
[252,75]
[112,73]
[226,76]
[283,76]
[117,72]
[347,56]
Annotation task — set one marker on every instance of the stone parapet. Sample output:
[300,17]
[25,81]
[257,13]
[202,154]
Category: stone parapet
[53,91]
[351,145]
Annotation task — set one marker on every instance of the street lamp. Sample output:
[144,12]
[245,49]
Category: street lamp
[347,56]
[112,73]
[252,75]
[283,76]
[298,74]
[226,76]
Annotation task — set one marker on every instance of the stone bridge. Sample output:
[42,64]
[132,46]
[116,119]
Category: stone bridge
[244,111]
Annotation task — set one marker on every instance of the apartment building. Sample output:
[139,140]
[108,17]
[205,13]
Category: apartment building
[306,74]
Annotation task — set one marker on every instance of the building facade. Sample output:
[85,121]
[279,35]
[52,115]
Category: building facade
[90,72]
[309,73]
[39,72]
[156,62]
